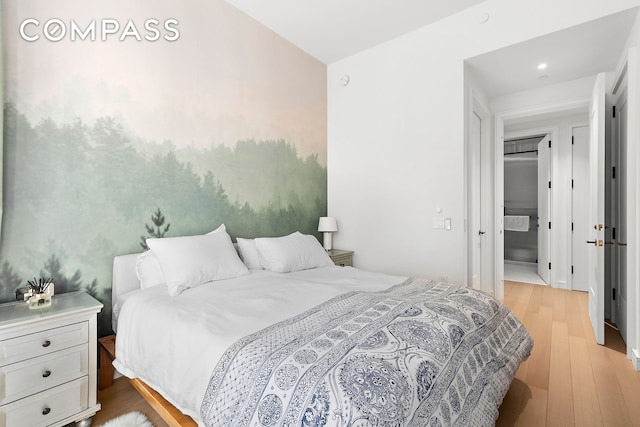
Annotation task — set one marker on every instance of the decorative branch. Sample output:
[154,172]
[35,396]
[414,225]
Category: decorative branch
[39,286]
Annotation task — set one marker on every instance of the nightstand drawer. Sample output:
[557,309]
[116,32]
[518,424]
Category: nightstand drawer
[22,379]
[342,260]
[33,345]
[341,257]
[48,407]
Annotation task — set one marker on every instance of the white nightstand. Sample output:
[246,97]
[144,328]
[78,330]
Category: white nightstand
[341,257]
[48,362]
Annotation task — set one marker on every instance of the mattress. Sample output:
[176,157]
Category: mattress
[174,343]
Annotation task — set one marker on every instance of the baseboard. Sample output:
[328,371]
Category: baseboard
[529,264]
[635,358]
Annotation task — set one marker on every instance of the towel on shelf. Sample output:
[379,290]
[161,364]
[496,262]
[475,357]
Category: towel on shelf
[516,223]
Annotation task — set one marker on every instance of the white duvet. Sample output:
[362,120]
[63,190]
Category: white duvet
[174,343]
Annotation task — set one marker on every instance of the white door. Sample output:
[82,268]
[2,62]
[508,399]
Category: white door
[475,219]
[544,198]
[596,208]
[579,204]
[621,220]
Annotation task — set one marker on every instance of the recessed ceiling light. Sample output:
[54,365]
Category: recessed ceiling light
[542,66]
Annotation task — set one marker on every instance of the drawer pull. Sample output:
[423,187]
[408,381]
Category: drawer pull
[47,343]
[46,411]
[45,374]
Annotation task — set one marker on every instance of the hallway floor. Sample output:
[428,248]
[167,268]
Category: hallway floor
[524,272]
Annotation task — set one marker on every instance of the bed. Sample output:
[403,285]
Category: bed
[312,346]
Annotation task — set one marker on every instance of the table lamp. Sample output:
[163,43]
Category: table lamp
[327,225]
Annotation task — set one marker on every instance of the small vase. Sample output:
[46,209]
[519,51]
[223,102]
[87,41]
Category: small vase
[39,300]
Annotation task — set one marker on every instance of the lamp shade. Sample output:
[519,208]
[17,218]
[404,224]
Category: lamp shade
[327,224]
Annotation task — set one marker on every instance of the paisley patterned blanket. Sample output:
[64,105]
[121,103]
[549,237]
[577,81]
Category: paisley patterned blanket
[418,354]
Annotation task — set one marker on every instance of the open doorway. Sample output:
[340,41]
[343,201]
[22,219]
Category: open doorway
[488,75]
[526,209]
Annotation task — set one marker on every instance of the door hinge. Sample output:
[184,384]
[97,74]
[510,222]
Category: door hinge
[613,294]
[613,233]
[571,183]
[549,225]
[549,184]
[572,269]
[549,143]
[572,140]
[614,111]
[572,226]
[549,266]
[613,172]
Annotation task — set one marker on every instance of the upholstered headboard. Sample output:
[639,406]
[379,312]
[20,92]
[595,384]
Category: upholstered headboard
[124,276]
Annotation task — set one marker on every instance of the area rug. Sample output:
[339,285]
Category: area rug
[132,419]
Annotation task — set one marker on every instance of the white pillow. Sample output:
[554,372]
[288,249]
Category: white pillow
[294,252]
[190,261]
[249,253]
[220,229]
[148,270]
[148,267]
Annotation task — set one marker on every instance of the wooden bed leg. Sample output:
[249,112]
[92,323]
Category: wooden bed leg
[107,346]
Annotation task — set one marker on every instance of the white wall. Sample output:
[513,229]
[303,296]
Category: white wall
[396,133]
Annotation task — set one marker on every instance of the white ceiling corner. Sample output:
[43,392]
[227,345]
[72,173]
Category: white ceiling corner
[330,30]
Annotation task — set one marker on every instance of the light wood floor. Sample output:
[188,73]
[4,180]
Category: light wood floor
[121,398]
[569,380]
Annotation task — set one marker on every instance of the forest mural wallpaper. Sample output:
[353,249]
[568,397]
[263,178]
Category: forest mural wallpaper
[156,117]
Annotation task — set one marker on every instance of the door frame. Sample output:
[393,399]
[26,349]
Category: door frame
[571,216]
[476,106]
[552,131]
[629,69]
[498,183]
[618,92]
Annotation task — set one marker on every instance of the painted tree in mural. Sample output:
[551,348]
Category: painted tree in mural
[83,190]
[53,269]
[9,280]
[158,221]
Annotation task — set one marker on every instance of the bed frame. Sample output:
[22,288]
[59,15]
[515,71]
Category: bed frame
[125,280]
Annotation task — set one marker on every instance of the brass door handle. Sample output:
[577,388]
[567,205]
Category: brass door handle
[594,242]
[621,244]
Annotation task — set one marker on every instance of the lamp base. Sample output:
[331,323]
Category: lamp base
[328,244]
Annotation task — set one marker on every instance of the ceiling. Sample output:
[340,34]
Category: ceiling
[330,30]
[570,54]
